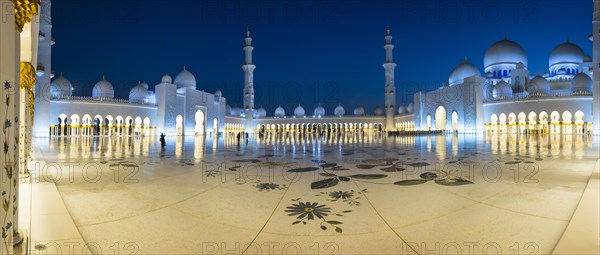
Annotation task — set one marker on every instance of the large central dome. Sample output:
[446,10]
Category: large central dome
[504,52]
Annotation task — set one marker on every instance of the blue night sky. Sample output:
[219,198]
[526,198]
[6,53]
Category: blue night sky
[306,52]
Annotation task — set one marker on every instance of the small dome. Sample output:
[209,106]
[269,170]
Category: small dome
[185,79]
[228,109]
[218,93]
[504,52]
[410,108]
[378,111]
[462,71]
[402,109]
[103,89]
[261,112]
[359,111]
[166,79]
[319,111]
[279,112]
[587,58]
[538,86]
[566,53]
[235,111]
[339,111]
[299,111]
[581,83]
[61,87]
[502,90]
[139,93]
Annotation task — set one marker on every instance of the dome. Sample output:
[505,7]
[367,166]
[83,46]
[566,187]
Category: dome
[261,112]
[319,111]
[235,111]
[359,111]
[402,109]
[218,93]
[279,112]
[339,111]
[228,109]
[61,87]
[410,108]
[378,111]
[504,52]
[566,53]
[299,111]
[462,71]
[538,86]
[103,89]
[587,58]
[139,93]
[502,90]
[581,83]
[185,79]
[166,79]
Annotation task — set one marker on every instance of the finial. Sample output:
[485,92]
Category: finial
[504,35]
[466,59]
[247,31]
[388,29]
[183,67]
[61,74]
[568,39]
[103,77]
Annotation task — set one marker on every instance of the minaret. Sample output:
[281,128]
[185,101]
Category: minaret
[596,61]
[41,117]
[390,88]
[248,68]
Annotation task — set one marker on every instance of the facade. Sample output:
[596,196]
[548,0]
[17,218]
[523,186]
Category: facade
[506,97]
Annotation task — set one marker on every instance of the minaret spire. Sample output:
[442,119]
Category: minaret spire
[248,68]
[390,87]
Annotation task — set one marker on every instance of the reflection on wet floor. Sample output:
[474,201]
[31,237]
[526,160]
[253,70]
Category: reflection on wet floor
[198,147]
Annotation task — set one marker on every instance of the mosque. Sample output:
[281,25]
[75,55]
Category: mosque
[504,98]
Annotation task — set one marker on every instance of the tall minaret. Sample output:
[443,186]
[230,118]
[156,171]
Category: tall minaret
[596,61]
[248,68]
[41,117]
[390,88]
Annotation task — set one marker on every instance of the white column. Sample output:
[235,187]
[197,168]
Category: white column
[9,95]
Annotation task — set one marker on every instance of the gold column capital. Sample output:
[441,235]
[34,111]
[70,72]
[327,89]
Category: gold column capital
[24,12]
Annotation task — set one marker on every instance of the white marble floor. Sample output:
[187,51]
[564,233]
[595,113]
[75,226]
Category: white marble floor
[332,195]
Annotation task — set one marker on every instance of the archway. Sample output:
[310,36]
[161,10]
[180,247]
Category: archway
[567,122]
[440,118]
[216,126]
[522,122]
[555,118]
[200,122]
[179,125]
[454,121]
[428,122]
[543,118]
[62,124]
[502,120]
[146,127]
[579,122]
[532,121]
